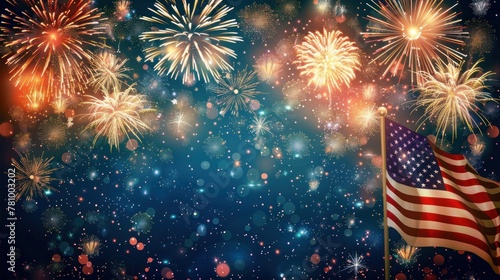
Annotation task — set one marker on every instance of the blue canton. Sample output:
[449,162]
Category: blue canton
[410,159]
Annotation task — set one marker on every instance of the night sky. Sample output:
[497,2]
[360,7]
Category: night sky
[201,195]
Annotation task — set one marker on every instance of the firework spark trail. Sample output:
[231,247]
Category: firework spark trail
[33,176]
[449,97]
[328,59]
[414,34]
[192,39]
[49,42]
[108,71]
[235,91]
[117,114]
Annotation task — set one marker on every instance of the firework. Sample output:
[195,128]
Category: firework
[287,9]
[449,97]
[49,42]
[369,91]
[57,267]
[108,71]
[91,245]
[117,115]
[17,113]
[192,42]
[369,69]
[285,48]
[33,176]
[414,34]
[53,219]
[260,126]
[180,122]
[35,100]
[142,222]
[60,105]
[477,148]
[405,254]
[323,5]
[22,142]
[122,10]
[30,206]
[355,264]
[165,155]
[482,36]
[53,132]
[214,146]
[480,7]
[339,10]
[294,92]
[327,59]
[323,113]
[92,217]
[297,145]
[313,185]
[235,91]
[335,144]
[366,117]
[258,21]
[268,68]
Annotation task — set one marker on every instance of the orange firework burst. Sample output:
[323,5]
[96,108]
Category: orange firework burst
[48,42]
[414,33]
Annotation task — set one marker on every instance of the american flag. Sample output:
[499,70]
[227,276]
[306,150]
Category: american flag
[435,198]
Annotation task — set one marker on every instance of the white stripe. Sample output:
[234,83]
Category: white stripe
[452,244]
[483,206]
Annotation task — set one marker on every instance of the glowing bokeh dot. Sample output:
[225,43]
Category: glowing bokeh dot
[67,158]
[132,241]
[438,260]
[315,258]
[6,129]
[87,270]
[83,259]
[400,276]
[166,272]
[132,144]
[492,131]
[56,258]
[223,270]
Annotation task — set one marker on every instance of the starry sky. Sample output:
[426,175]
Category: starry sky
[203,197]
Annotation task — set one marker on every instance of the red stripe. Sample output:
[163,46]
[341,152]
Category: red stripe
[426,216]
[437,150]
[468,169]
[439,201]
[435,233]
[474,198]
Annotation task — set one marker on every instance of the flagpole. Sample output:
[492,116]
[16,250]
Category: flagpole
[382,112]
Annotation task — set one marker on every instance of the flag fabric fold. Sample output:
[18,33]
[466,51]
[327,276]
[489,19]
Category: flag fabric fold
[435,198]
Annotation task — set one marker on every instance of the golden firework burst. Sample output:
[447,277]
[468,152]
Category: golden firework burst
[117,115]
[413,34]
[33,176]
[449,96]
[192,39]
[328,59]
